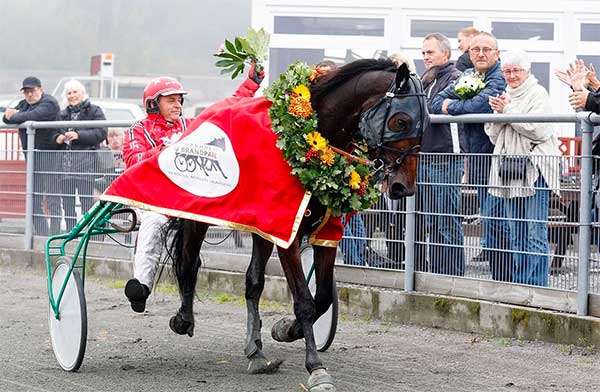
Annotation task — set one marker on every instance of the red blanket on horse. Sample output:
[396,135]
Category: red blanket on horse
[225,170]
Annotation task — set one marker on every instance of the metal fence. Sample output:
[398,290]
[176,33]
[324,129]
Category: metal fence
[444,229]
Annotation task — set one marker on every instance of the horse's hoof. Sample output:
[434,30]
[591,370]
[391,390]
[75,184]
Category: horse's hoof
[320,381]
[282,330]
[261,365]
[181,326]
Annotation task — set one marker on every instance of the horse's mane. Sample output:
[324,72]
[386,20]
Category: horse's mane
[327,83]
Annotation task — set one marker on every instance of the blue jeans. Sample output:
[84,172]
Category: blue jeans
[439,198]
[494,225]
[353,248]
[530,234]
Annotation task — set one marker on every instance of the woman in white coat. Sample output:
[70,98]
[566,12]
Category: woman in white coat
[525,184]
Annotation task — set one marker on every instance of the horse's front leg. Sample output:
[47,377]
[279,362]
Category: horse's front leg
[324,261]
[186,252]
[305,312]
[255,283]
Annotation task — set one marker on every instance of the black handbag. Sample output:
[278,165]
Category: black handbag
[513,168]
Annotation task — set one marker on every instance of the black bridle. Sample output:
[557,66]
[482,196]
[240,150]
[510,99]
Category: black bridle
[384,135]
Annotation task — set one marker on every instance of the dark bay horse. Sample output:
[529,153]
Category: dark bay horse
[358,101]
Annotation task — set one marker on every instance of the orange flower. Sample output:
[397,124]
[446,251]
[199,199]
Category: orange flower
[300,107]
[328,156]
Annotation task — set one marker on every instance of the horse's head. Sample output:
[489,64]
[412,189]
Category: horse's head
[384,106]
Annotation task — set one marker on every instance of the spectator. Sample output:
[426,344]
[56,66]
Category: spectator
[527,192]
[401,58]
[484,55]
[164,125]
[80,164]
[110,160]
[440,175]
[464,39]
[585,86]
[353,243]
[38,106]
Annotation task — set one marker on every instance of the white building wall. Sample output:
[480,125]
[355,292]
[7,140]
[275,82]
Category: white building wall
[565,17]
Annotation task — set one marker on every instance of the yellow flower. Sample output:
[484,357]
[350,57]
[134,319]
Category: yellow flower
[354,180]
[300,107]
[316,141]
[302,91]
[328,156]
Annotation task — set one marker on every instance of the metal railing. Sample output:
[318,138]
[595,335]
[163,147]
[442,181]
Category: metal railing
[379,241]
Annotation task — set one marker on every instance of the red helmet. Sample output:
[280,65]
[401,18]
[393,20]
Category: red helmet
[160,87]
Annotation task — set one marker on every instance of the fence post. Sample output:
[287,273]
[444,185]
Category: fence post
[585,215]
[409,245]
[29,157]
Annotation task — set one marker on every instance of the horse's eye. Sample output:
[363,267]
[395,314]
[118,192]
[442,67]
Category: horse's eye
[399,122]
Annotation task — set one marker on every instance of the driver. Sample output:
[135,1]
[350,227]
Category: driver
[164,125]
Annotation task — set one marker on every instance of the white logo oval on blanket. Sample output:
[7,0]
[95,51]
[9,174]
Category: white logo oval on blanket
[203,163]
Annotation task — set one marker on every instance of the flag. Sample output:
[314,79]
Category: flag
[225,170]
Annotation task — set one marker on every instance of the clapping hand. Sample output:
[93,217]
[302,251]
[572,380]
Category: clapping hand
[578,76]
[499,102]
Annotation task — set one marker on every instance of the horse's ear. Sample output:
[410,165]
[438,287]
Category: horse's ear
[402,75]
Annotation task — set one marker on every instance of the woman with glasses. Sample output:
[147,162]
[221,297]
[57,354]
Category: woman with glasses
[79,160]
[525,168]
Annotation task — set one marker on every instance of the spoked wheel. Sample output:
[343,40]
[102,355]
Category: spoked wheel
[325,326]
[69,332]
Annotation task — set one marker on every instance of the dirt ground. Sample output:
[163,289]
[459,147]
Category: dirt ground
[138,352]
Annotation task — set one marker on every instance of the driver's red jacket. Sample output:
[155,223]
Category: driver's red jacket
[149,136]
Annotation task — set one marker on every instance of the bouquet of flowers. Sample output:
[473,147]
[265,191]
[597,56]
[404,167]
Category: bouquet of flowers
[468,86]
[251,49]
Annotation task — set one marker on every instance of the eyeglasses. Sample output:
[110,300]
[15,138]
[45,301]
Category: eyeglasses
[485,51]
[516,71]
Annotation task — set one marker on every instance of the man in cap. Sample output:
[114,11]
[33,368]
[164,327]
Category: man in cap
[38,106]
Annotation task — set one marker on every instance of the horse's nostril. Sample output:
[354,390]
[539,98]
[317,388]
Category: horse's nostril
[397,191]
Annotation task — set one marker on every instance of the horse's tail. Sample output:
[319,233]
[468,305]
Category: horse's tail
[173,239]
[173,242]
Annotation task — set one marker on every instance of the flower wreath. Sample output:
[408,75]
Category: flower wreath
[342,184]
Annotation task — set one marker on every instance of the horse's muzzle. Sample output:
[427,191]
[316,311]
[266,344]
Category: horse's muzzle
[397,191]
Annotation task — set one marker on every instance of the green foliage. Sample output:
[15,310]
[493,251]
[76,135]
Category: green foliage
[328,183]
[251,49]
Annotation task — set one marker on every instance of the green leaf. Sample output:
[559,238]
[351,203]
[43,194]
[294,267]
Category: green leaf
[224,63]
[238,44]
[229,46]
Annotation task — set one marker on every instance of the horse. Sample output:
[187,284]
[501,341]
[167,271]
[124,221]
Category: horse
[353,102]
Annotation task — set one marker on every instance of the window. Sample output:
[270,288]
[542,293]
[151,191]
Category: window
[420,65]
[590,32]
[523,30]
[373,27]
[542,73]
[281,58]
[450,28]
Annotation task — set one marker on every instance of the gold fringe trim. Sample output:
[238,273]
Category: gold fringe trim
[219,222]
[313,240]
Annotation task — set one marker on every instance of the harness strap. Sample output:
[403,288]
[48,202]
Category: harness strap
[351,157]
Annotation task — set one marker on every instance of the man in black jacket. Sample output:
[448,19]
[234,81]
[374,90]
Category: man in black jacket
[464,40]
[38,106]
[440,163]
